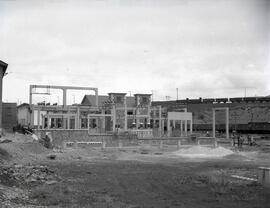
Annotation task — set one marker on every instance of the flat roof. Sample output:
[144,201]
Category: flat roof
[142,94]
[116,93]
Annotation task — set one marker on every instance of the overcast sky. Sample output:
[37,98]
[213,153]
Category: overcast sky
[205,48]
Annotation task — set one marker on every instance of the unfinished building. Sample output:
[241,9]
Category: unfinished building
[109,115]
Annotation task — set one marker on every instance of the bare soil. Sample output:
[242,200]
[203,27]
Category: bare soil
[130,177]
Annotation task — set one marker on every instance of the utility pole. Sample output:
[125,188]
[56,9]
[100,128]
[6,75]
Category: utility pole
[177,93]
[152,95]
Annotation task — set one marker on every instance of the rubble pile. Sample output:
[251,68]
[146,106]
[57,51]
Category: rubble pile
[17,174]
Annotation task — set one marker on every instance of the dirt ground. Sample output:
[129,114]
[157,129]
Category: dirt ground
[143,176]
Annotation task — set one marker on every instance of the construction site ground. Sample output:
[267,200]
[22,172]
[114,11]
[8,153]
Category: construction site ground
[133,177]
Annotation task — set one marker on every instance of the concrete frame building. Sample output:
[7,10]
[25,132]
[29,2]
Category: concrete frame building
[114,113]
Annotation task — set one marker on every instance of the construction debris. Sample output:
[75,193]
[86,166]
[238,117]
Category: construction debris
[17,174]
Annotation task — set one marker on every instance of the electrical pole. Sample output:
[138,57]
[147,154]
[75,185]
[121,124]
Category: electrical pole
[177,93]
[152,95]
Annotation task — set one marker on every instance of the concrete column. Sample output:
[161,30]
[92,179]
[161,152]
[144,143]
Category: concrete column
[64,124]
[214,123]
[227,123]
[181,127]
[103,124]
[48,122]
[43,122]
[185,127]
[114,117]
[88,124]
[32,117]
[30,94]
[96,92]
[191,126]
[160,121]
[38,119]
[125,127]
[148,118]
[64,97]
[168,127]
[77,119]
[137,119]
[68,122]
[162,127]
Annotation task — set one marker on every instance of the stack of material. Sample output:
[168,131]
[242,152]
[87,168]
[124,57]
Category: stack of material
[201,152]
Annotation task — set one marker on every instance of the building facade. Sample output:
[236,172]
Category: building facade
[3,68]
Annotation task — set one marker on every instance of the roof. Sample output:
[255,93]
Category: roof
[116,93]
[142,94]
[23,105]
[91,100]
[4,66]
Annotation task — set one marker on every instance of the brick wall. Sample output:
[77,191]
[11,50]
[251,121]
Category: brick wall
[9,116]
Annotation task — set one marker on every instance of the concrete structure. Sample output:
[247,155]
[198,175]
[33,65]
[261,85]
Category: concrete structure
[63,88]
[182,117]
[227,121]
[63,116]
[3,68]
[102,115]
[23,114]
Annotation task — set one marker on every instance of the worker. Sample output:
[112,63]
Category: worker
[249,140]
[241,141]
[234,138]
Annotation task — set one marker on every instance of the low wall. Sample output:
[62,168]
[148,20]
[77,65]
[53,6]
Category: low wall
[71,135]
[60,136]
[145,133]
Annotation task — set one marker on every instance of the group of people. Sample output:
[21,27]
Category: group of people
[238,140]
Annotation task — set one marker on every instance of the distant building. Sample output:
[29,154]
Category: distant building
[3,68]
[247,114]
[23,114]
[90,100]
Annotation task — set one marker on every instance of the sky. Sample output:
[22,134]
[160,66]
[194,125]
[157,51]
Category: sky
[205,48]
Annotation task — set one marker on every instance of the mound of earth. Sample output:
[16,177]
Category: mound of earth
[23,152]
[200,151]
[4,155]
